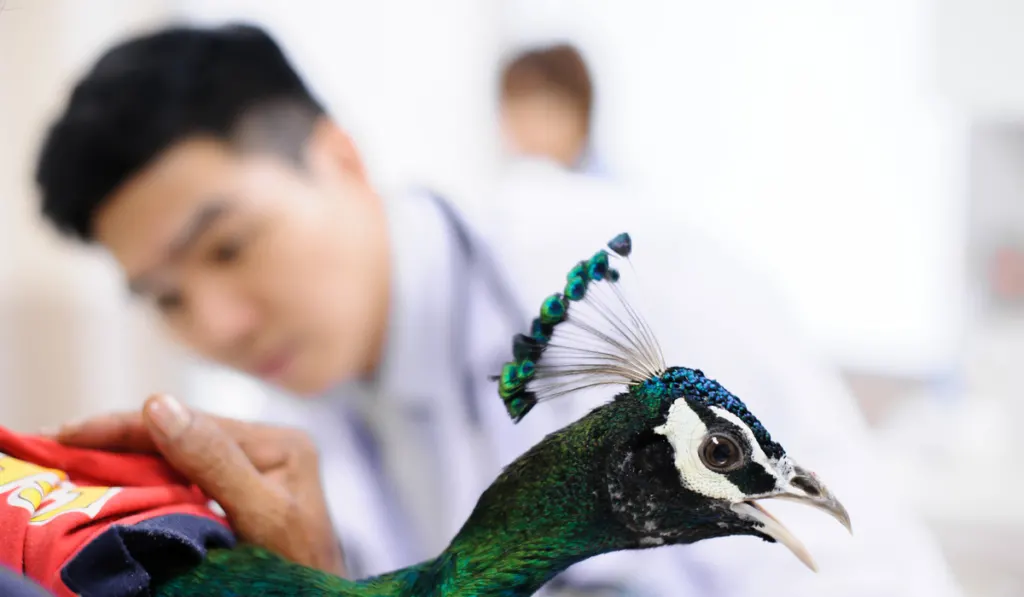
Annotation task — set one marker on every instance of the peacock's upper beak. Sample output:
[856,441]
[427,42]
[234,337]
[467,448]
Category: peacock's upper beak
[803,486]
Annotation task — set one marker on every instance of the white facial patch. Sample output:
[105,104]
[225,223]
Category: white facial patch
[686,432]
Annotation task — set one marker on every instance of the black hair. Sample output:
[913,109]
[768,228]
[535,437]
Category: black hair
[148,93]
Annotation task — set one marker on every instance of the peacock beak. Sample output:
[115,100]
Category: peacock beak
[805,487]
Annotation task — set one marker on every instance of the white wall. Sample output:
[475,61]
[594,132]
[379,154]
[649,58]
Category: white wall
[807,136]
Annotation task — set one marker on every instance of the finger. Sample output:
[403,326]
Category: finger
[267,446]
[208,456]
[124,431]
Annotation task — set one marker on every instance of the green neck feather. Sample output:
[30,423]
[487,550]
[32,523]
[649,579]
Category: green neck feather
[547,511]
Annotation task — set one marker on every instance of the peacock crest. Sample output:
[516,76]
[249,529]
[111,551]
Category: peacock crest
[587,335]
[592,333]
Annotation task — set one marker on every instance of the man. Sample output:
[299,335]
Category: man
[242,211]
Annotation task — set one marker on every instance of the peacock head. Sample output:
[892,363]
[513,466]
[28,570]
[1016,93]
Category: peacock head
[683,459]
[698,464]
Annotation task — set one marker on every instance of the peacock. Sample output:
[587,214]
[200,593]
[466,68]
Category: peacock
[674,458]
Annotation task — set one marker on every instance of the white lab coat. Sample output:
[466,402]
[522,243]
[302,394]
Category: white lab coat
[707,313]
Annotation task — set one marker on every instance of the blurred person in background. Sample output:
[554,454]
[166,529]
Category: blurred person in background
[241,211]
[547,105]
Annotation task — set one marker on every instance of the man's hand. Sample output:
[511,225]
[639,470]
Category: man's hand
[267,479]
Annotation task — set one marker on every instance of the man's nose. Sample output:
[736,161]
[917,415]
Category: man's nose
[223,317]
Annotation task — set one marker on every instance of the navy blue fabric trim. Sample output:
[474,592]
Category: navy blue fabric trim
[13,584]
[127,560]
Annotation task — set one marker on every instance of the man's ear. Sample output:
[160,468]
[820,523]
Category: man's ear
[332,153]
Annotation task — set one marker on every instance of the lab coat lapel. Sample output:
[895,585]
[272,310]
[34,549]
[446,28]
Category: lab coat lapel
[414,408]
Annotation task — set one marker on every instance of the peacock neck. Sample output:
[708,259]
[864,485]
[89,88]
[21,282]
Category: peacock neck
[483,570]
[547,511]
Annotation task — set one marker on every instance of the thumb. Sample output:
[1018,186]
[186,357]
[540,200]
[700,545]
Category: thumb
[205,454]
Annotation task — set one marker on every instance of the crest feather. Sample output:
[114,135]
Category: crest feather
[587,335]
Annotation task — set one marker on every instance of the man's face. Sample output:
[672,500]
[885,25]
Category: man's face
[257,264]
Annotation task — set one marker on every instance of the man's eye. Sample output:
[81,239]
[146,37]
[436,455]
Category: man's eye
[169,301]
[226,252]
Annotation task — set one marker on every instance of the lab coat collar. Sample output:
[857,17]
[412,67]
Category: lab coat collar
[416,348]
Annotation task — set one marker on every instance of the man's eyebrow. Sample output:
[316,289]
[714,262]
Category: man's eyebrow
[200,222]
[192,231]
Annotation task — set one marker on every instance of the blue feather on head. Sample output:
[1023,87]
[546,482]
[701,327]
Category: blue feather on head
[692,383]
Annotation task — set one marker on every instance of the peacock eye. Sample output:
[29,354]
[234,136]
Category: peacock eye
[721,453]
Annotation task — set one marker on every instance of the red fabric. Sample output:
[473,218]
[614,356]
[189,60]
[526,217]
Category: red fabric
[54,499]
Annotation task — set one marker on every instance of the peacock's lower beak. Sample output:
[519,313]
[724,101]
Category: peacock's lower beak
[804,487]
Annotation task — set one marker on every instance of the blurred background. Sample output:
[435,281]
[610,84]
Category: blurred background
[867,156]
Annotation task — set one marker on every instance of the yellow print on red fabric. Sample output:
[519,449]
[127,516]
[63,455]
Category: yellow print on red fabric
[46,493]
